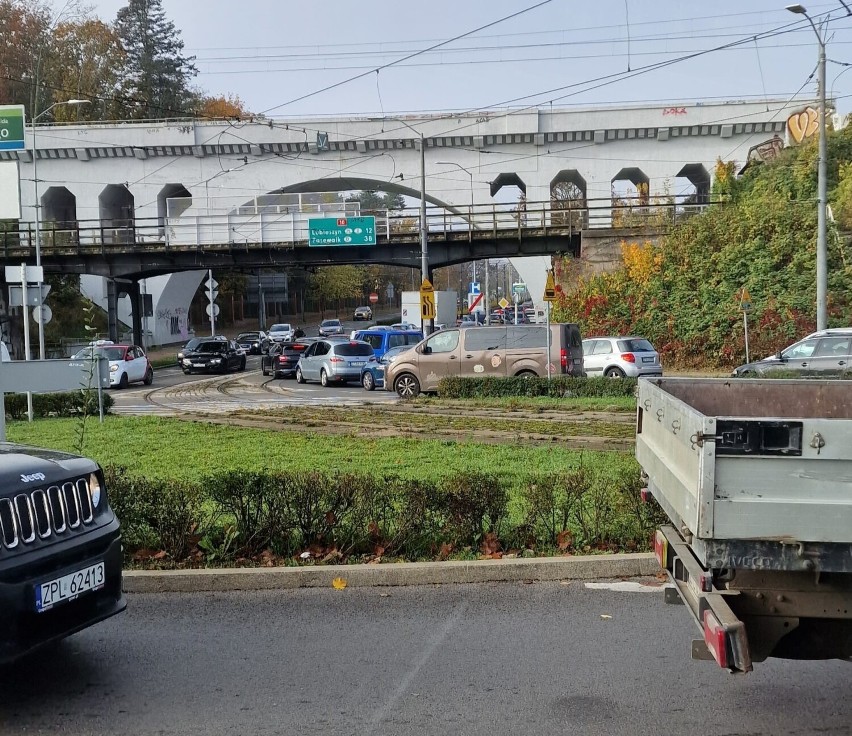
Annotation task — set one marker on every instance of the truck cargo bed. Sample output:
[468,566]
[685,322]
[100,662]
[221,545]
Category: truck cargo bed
[746,459]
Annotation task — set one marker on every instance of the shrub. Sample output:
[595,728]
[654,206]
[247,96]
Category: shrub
[59,404]
[473,505]
[557,387]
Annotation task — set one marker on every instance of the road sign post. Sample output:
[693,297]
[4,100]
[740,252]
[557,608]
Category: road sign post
[341,231]
[549,297]
[212,308]
[745,307]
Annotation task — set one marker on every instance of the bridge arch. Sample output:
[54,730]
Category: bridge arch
[117,210]
[568,192]
[508,180]
[699,177]
[59,206]
[182,201]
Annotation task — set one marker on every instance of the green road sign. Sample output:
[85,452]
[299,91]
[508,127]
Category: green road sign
[519,288]
[11,127]
[342,231]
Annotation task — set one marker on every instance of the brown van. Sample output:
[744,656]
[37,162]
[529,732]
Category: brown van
[501,350]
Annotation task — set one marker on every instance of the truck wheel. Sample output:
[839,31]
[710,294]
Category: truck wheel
[407,386]
[367,381]
[527,374]
[614,372]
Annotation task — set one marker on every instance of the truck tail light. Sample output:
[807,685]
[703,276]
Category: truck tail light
[628,357]
[715,638]
[661,549]
[646,495]
[564,360]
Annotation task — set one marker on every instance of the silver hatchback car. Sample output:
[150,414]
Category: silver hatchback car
[333,360]
[617,357]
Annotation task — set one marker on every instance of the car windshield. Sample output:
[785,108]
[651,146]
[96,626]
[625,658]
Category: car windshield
[210,347]
[331,323]
[110,353]
[280,328]
[635,345]
[248,336]
[353,349]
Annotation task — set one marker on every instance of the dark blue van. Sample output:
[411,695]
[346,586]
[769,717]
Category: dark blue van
[384,340]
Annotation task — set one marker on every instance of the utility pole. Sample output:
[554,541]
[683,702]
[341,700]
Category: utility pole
[822,197]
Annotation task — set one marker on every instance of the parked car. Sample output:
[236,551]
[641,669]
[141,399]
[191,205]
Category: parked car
[384,340]
[282,358]
[330,327]
[404,326]
[488,351]
[127,363]
[193,343]
[281,332]
[254,343]
[373,374]
[617,357]
[333,360]
[824,354]
[363,313]
[214,356]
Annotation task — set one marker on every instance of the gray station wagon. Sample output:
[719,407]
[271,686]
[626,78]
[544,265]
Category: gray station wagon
[334,360]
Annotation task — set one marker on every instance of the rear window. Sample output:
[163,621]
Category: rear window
[635,346]
[526,337]
[394,341]
[353,349]
[375,340]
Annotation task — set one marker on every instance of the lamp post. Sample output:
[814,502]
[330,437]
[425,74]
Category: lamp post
[40,318]
[424,230]
[470,220]
[822,200]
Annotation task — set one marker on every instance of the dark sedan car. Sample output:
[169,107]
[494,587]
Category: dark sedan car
[254,343]
[282,358]
[214,356]
[825,354]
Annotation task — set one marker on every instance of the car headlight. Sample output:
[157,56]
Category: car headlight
[180,356]
[186,361]
[216,360]
[95,489]
[113,368]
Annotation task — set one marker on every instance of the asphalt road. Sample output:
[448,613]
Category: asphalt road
[479,659]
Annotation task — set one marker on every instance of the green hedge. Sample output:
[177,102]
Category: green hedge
[60,404]
[255,515]
[557,387]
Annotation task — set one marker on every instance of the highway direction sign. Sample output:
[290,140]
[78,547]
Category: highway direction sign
[12,128]
[342,231]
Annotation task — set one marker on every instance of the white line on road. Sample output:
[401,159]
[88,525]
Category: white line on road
[629,586]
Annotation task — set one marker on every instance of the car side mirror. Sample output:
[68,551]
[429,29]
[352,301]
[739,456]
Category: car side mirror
[779,356]
[128,358]
[427,350]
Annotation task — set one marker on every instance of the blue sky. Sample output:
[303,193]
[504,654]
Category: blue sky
[271,52]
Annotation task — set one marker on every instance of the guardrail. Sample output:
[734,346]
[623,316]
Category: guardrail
[260,227]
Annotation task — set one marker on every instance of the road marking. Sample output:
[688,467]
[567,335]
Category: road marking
[629,586]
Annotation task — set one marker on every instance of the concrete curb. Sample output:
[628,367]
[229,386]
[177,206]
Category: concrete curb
[590,567]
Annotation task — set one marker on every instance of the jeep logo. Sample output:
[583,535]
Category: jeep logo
[31,477]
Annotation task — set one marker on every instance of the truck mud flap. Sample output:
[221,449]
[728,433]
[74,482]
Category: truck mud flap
[725,639]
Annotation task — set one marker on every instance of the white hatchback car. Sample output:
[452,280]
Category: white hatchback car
[127,364]
[282,332]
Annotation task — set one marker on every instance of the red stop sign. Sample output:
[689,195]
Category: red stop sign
[374,298]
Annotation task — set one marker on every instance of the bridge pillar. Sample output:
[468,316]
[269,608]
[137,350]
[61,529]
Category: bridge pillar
[136,310]
[112,309]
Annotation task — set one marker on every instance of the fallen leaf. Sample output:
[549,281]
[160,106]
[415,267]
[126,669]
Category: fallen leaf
[339,583]
[378,550]
[490,544]
[305,555]
[384,595]
[445,551]
[606,616]
[160,555]
[564,540]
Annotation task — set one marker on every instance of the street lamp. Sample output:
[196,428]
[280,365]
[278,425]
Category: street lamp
[424,231]
[821,254]
[40,319]
[470,223]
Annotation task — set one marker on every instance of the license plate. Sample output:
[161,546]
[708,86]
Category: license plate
[68,587]
[648,360]
[199,365]
[357,363]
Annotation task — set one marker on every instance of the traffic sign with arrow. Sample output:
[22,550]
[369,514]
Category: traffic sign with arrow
[550,287]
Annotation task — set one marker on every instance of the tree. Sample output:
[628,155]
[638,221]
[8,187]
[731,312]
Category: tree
[86,63]
[371,199]
[158,74]
[334,283]
[23,38]
[222,107]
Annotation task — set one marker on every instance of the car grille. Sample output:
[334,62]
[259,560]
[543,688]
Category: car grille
[45,512]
